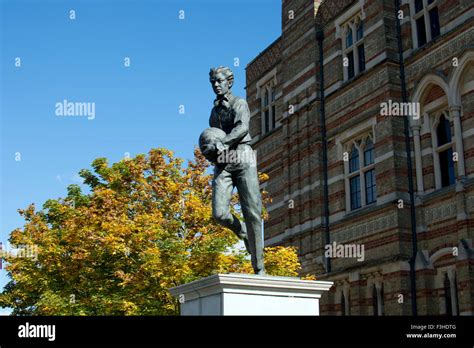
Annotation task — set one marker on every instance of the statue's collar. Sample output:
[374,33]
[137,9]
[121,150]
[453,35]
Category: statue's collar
[224,100]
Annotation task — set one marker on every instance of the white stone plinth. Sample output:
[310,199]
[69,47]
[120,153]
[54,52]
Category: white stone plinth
[249,294]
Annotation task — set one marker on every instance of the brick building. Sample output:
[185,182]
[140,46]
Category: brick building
[366,169]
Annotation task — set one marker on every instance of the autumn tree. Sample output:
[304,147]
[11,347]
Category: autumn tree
[145,225]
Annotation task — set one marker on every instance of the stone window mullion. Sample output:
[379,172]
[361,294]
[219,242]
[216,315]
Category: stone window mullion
[346,53]
[426,15]
[346,71]
[452,289]
[347,305]
[262,115]
[363,200]
[348,187]
[455,113]
[453,297]
[265,109]
[436,166]
[413,24]
[354,49]
[418,158]
[270,108]
[378,288]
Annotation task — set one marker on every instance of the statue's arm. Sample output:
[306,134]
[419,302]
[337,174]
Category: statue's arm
[241,124]
[212,120]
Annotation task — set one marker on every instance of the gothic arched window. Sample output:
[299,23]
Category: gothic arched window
[425,21]
[360,174]
[354,52]
[268,108]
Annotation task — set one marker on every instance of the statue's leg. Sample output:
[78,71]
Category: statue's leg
[247,184]
[222,186]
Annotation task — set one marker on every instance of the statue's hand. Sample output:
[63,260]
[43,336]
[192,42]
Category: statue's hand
[209,152]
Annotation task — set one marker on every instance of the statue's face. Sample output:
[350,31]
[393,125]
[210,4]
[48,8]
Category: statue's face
[220,84]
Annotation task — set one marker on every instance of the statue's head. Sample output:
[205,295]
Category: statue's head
[207,142]
[222,79]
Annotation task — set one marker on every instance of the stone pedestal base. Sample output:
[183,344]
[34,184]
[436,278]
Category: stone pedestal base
[248,294]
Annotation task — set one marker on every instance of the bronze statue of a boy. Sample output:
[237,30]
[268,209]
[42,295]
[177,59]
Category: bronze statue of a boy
[227,145]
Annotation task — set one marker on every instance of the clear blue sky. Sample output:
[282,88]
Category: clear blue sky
[137,108]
